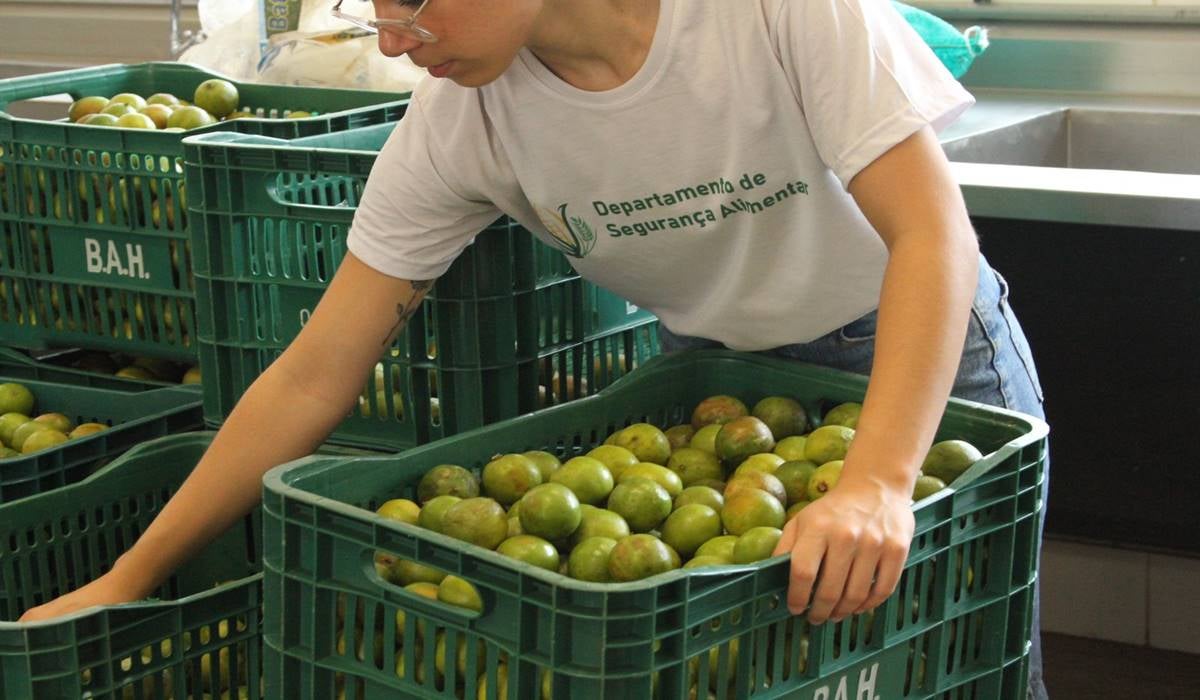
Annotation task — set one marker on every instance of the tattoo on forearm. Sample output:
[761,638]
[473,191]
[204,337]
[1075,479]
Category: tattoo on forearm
[406,309]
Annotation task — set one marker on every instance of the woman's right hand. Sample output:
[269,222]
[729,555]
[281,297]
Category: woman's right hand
[106,590]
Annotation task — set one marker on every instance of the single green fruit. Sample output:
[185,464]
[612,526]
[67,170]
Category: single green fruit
[480,521]
[531,550]
[589,559]
[948,459]
[926,486]
[551,511]
[689,527]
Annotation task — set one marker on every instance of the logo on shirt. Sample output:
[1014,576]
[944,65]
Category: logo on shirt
[570,234]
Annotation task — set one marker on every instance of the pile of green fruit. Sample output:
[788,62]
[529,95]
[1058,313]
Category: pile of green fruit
[141,368]
[213,100]
[21,435]
[714,492]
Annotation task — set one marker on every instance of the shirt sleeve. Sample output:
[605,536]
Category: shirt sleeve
[864,77]
[418,211]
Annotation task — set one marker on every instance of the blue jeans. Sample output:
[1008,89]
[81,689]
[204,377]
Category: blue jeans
[997,368]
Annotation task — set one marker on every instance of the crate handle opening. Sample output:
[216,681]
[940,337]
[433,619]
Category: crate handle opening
[432,607]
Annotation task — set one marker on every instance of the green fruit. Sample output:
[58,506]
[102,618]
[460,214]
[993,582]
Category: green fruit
[551,511]
[8,453]
[791,448]
[947,460]
[705,495]
[693,464]
[706,438]
[403,572]
[546,463]
[190,118]
[509,476]
[480,521]
[589,559]
[679,436]
[434,511]
[86,429]
[720,547]
[642,502]
[828,443]
[794,476]
[689,527]
[785,417]
[460,593]
[750,508]
[795,508]
[766,462]
[128,98]
[756,544]
[697,562]
[98,119]
[10,422]
[665,478]
[136,120]
[741,438]
[217,97]
[41,440]
[599,522]
[617,459]
[824,479]
[640,556]
[163,98]
[718,410]
[117,109]
[86,105]
[447,479]
[22,433]
[531,550]
[587,477]
[15,398]
[400,509]
[647,442]
[843,414]
[926,486]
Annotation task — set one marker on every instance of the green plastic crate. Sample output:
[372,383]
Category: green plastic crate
[147,650]
[943,633]
[56,368]
[134,417]
[93,221]
[508,317]
[60,540]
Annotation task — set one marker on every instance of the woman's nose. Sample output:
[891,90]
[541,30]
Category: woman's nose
[393,44]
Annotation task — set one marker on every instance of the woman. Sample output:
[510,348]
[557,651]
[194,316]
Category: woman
[761,174]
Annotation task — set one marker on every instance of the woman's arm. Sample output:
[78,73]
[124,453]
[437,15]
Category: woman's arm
[288,411]
[857,537]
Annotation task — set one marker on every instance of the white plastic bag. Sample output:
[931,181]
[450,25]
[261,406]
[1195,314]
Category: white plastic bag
[233,42]
[322,52]
[349,59]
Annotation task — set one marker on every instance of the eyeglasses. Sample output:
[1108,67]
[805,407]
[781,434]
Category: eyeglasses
[406,26]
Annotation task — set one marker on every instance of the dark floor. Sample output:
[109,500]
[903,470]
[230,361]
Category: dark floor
[1087,668]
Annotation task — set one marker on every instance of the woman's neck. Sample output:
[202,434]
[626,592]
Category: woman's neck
[595,45]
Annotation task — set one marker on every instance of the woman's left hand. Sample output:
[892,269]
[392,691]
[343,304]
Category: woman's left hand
[857,538]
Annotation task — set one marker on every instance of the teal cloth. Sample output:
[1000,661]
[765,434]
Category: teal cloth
[956,50]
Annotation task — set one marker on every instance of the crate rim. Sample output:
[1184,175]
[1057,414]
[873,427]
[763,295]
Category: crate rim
[279,479]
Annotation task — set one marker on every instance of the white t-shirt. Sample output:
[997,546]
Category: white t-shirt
[709,188]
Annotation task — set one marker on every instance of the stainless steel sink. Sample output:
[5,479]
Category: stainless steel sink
[1138,168]
[1155,142]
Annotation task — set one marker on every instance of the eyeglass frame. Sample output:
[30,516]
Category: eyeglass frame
[407,26]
